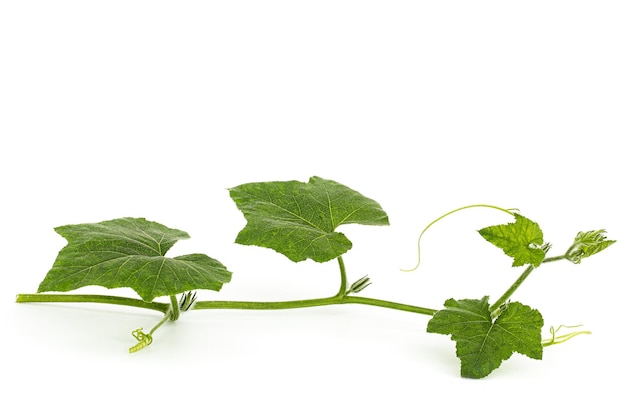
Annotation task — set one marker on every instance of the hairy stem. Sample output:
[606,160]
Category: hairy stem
[175,309]
[217,304]
[495,306]
[344,279]
[314,302]
[554,258]
[85,298]
[389,304]
[264,305]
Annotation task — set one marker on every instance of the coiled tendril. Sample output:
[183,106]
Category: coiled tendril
[143,340]
[555,340]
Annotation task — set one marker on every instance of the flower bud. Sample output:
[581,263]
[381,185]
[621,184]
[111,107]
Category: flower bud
[359,285]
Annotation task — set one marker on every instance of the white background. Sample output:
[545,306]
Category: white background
[154,109]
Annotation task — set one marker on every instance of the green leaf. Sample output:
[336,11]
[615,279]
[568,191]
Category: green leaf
[587,244]
[520,240]
[299,219]
[483,343]
[129,252]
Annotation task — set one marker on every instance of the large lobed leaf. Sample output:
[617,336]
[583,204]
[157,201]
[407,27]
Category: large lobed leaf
[482,343]
[299,219]
[520,240]
[129,252]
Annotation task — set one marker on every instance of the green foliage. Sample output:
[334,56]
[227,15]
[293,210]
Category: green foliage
[299,220]
[129,252]
[520,240]
[482,343]
[587,244]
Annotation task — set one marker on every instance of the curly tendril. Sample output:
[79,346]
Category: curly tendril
[143,340]
[419,239]
[555,340]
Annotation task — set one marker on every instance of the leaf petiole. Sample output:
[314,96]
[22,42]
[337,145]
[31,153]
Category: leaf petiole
[174,308]
[343,287]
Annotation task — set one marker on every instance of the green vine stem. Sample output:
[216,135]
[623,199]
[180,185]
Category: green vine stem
[88,298]
[313,302]
[172,310]
[388,304]
[495,307]
[218,304]
[569,255]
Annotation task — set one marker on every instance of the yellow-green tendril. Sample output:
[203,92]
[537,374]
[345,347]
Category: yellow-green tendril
[143,340]
[419,240]
[555,340]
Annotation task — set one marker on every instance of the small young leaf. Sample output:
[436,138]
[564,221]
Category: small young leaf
[299,219]
[483,343]
[129,252]
[520,240]
[587,244]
